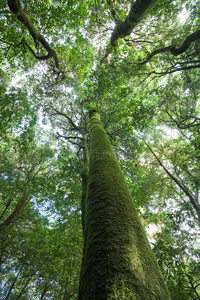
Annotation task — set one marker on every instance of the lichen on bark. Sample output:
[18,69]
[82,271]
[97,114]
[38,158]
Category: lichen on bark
[118,262]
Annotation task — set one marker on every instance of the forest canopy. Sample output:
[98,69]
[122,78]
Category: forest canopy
[136,64]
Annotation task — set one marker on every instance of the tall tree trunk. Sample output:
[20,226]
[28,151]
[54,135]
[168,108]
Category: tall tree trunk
[118,262]
[84,176]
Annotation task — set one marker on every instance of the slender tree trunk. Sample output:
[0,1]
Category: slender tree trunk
[192,198]
[16,211]
[7,205]
[25,286]
[45,290]
[118,262]
[12,285]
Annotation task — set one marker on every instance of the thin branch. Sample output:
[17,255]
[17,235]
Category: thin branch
[113,12]
[66,116]
[69,139]
[2,12]
[45,57]
[140,41]
[158,51]
[175,70]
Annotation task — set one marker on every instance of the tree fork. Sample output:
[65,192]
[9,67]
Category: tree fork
[118,262]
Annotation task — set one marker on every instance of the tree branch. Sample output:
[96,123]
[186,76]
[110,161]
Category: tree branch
[139,10]
[69,138]
[45,57]
[175,51]
[113,12]
[66,116]
[16,8]
[175,70]
[158,51]
[2,12]
[189,39]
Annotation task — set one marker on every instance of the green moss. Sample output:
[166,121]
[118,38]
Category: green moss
[84,176]
[117,258]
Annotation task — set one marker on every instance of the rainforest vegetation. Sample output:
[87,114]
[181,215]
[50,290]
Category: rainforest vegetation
[99,149]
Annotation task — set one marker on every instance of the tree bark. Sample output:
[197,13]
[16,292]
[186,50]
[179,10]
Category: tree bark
[118,262]
[84,176]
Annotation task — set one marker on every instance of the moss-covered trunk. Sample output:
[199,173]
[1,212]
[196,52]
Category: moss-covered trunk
[138,12]
[84,176]
[118,262]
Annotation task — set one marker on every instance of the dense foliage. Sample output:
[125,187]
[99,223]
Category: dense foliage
[146,87]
